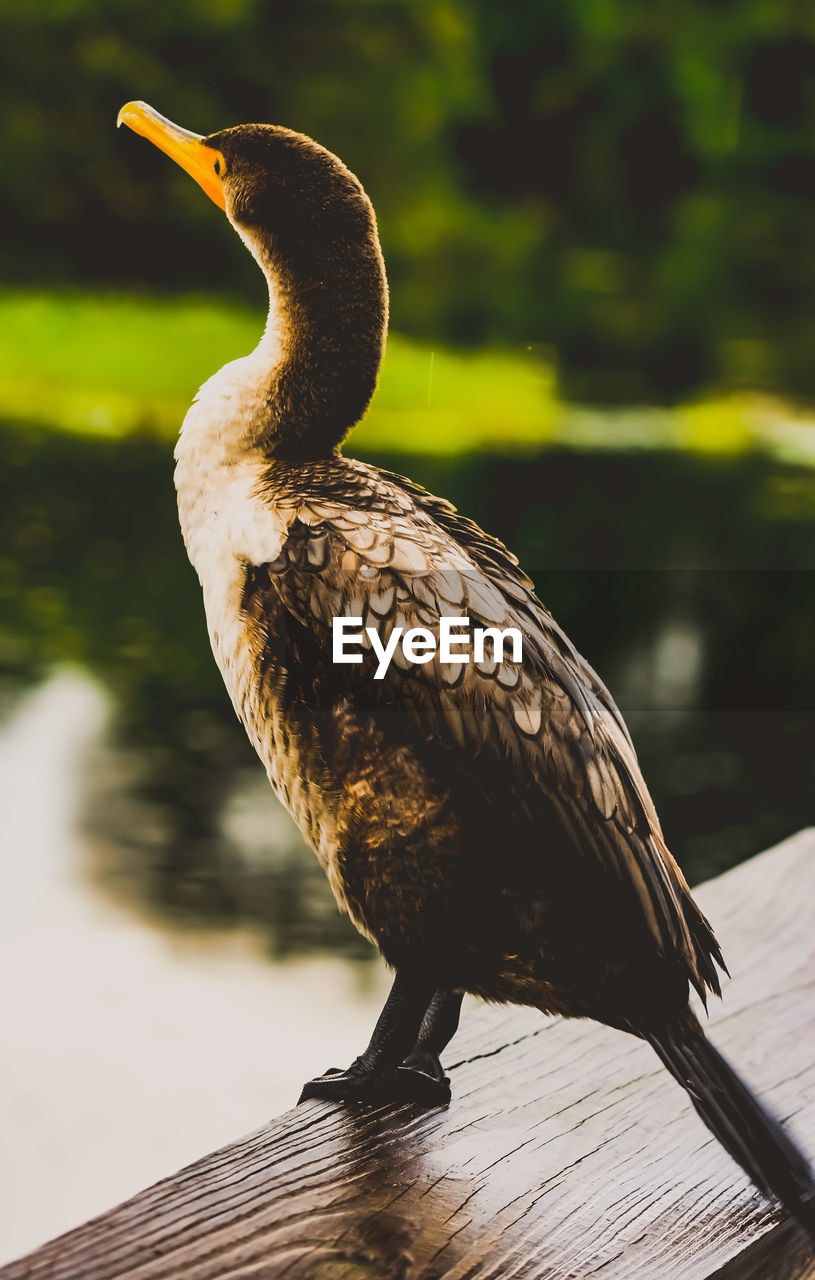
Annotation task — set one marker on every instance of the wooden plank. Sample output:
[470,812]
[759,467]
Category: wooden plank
[567,1151]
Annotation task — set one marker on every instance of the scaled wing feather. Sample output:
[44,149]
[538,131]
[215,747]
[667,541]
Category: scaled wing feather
[413,560]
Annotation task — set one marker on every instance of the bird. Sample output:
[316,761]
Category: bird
[481,817]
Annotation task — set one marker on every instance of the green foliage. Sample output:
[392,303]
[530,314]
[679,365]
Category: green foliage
[629,184]
[114,365]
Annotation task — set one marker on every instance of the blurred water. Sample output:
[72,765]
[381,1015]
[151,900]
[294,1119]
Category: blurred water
[175,963]
[129,1050]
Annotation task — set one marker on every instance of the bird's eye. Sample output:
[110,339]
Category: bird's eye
[218,165]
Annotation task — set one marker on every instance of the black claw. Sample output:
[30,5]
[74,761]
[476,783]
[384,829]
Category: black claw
[319,1086]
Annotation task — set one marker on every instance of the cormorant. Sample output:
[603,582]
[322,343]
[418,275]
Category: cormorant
[484,822]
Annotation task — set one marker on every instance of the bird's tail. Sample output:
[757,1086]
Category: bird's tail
[735,1116]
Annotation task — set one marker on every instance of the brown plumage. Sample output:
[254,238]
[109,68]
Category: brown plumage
[531,757]
[486,824]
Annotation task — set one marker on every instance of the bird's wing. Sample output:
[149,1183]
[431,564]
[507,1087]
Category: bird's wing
[389,553]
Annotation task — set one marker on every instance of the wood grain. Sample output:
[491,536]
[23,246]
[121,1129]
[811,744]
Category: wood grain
[567,1151]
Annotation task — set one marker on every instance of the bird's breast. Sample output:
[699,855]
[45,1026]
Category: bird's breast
[229,530]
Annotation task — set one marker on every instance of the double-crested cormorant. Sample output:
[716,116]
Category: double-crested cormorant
[484,822]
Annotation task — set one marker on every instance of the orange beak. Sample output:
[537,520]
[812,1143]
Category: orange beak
[189,150]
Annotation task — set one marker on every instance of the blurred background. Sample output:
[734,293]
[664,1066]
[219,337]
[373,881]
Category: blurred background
[599,224]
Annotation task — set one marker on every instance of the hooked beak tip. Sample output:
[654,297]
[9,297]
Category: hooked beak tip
[128,111]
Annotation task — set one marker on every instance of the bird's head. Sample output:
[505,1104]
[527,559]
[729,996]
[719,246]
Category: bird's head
[275,186]
[307,220]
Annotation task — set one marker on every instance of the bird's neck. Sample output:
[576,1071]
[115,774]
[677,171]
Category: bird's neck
[314,371]
[307,382]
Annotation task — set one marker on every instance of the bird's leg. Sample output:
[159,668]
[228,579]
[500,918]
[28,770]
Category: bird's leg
[375,1076]
[437,1030]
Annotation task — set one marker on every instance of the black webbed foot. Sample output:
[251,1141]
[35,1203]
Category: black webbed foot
[402,1084]
[401,1063]
[344,1086]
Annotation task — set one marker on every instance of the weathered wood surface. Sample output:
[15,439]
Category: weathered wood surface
[567,1151]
